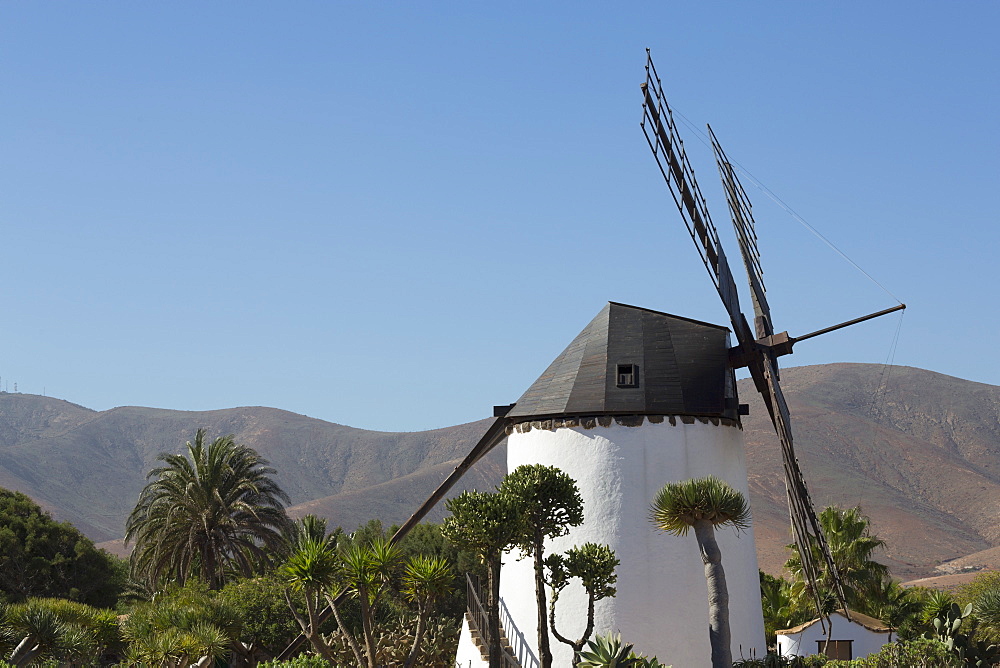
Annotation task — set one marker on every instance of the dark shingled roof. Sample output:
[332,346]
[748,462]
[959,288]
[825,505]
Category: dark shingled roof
[682,364]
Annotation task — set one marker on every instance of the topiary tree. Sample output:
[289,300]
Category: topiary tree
[548,503]
[595,566]
[703,504]
[487,524]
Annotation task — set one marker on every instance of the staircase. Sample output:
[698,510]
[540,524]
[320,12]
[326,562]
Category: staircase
[476,617]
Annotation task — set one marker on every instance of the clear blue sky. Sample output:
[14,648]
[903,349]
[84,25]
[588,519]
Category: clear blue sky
[394,215]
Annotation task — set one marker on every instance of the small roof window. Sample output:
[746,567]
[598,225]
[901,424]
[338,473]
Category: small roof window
[628,375]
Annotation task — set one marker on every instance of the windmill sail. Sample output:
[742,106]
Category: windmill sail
[741,212]
[804,522]
[805,525]
[668,149]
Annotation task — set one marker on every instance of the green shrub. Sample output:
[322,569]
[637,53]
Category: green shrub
[304,661]
[41,558]
[772,660]
[918,653]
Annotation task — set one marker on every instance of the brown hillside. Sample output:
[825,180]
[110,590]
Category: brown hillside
[922,463]
[88,467]
[922,459]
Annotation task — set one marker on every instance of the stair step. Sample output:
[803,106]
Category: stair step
[480,641]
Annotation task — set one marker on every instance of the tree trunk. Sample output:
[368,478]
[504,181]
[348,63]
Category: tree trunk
[493,609]
[718,595]
[544,651]
[423,608]
[366,625]
[351,641]
[310,626]
[25,651]
[577,645]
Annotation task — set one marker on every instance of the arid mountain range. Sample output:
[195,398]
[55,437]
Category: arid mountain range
[917,450]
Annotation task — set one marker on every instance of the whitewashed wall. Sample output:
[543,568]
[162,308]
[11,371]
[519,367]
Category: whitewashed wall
[469,655]
[661,604]
[804,643]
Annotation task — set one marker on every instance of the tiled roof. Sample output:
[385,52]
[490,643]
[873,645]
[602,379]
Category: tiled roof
[682,367]
[869,623]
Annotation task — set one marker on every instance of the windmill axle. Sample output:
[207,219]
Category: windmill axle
[780,344]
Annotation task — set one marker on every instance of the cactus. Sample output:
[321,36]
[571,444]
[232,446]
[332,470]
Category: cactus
[947,625]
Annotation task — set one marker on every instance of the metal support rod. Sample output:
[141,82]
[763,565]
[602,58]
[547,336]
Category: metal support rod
[827,330]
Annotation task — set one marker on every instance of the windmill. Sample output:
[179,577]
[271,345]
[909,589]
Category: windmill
[758,348]
[641,397]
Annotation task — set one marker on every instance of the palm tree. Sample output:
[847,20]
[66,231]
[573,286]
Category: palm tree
[852,546]
[312,569]
[895,605]
[426,580]
[703,504]
[212,511]
[781,609]
[368,572]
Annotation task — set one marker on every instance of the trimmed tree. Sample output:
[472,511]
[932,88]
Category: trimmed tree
[485,523]
[703,504]
[549,503]
[595,566]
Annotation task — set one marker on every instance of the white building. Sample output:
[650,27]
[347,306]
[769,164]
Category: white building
[849,639]
[639,399]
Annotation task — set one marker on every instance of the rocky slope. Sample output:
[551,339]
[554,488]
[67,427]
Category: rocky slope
[919,451]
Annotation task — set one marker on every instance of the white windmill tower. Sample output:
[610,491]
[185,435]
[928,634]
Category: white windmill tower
[641,398]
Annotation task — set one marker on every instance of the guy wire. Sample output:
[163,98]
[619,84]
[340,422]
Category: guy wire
[791,212]
[876,409]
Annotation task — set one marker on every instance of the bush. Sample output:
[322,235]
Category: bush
[773,660]
[918,653]
[181,624]
[304,661]
[259,603]
[40,557]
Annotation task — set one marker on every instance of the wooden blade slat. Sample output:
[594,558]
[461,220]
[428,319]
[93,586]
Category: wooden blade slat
[741,213]
[668,149]
[805,524]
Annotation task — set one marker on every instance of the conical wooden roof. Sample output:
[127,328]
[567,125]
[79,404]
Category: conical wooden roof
[681,367]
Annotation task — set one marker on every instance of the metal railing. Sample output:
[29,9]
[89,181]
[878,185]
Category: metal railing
[518,643]
[479,620]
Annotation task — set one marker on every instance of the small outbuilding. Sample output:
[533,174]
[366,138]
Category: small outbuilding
[853,638]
